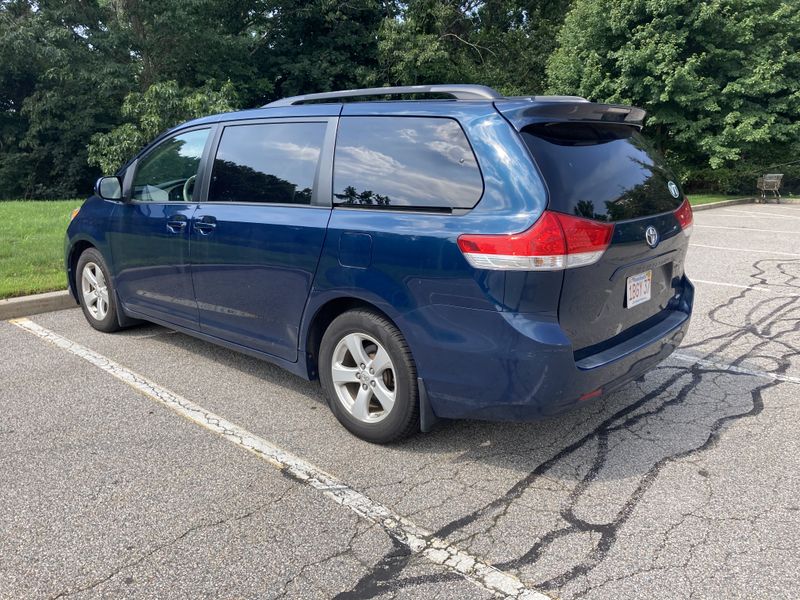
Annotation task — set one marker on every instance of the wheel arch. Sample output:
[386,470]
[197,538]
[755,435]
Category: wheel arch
[324,315]
[77,248]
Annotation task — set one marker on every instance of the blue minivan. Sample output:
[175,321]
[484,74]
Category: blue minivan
[426,252]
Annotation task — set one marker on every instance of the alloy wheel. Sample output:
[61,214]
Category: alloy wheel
[364,377]
[95,291]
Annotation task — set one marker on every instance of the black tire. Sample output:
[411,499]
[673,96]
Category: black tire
[402,419]
[109,321]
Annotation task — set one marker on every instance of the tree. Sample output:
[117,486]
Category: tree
[162,106]
[317,45]
[504,43]
[58,84]
[191,42]
[718,77]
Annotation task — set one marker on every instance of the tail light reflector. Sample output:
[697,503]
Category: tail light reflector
[592,394]
[684,216]
[556,241]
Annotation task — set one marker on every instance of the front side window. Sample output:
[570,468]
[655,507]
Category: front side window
[168,173]
[406,162]
[267,163]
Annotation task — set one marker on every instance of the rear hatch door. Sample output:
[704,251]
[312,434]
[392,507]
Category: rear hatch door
[605,170]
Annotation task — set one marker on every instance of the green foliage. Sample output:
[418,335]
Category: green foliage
[57,87]
[191,42]
[719,78]
[504,44]
[307,46]
[83,85]
[162,106]
[117,72]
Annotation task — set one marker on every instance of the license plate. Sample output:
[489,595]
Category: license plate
[638,288]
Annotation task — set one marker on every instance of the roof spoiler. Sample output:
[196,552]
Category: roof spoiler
[544,109]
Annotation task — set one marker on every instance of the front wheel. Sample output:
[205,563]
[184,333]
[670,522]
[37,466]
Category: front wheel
[96,292]
[369,377]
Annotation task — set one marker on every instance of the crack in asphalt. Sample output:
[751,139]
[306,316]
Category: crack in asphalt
[384,577]
[684,399]
[171,542]
[420,541]
[769,321]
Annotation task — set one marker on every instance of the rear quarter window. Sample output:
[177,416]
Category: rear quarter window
[606,172]
[404,163]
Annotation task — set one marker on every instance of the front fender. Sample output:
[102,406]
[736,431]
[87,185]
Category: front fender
[88,228]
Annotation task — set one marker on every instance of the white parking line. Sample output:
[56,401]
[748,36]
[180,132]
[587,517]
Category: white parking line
[419,540]
[727,249]
[769,215]
[733,285]
[734,369]
[745,229]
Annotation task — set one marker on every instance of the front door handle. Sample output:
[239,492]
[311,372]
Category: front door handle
[176,224]
[205,225]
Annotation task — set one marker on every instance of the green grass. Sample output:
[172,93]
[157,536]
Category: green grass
[697,199]
[32,246]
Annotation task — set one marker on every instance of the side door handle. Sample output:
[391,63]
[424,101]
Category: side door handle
[176,223]
[205,225]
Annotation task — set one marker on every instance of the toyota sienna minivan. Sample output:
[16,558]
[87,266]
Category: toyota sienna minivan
[426,252]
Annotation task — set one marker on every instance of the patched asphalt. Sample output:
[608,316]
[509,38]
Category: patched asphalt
[684,483]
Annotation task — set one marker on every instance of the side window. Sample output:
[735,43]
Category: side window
[404,162]
[168,173]
[268,162]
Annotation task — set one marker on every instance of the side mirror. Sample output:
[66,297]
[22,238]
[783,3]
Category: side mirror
[109,188]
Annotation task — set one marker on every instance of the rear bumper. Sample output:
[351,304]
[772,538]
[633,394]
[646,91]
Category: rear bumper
[513,367]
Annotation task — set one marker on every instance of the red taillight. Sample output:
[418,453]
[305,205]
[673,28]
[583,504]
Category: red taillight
[684,216]
[584,236]
[556,241]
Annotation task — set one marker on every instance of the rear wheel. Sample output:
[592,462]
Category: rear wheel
[369,377]
[96,292]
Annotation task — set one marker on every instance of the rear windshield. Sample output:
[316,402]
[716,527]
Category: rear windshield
[606,172]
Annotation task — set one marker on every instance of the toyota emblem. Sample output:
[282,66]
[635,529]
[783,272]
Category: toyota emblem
[673,189]
[651,236]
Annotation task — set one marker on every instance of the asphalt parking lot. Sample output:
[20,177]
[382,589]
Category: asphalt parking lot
[124,473]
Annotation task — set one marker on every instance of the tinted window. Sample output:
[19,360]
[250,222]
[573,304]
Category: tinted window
[168,172]
[385,162]
[273,162]
[603,172]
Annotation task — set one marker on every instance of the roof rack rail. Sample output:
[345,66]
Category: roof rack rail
[459,92]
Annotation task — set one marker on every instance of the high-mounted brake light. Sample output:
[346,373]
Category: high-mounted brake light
[556,241]
[684,216]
